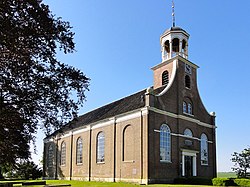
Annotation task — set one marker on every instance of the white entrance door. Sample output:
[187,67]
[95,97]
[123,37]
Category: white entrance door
[189,160]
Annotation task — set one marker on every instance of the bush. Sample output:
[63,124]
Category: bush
[230,182]
[242,182]
[193,180]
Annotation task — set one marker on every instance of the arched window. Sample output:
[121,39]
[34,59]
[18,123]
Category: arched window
[165,143]
[187,81]
[184,106]
[63,154]
[188,133]
[100,147]
[204,149]
[165,78]
[128,143]
[79,151]
[190,108]
[50,156]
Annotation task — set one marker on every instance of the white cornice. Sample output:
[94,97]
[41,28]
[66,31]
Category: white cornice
[105,122]
[198,122]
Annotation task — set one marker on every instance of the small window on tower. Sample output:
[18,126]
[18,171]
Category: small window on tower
[165,78]
[187,81]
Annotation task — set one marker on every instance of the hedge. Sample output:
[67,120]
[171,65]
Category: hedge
[193,180]
[230,182]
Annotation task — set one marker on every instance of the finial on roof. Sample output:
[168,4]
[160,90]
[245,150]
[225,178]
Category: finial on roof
[173,14]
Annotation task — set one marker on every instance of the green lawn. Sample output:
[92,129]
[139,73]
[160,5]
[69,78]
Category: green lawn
[104,184]
[107,184]
[226,175]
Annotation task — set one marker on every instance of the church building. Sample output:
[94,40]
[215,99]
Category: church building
[156,135]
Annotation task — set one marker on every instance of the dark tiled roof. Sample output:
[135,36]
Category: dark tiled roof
[123,105]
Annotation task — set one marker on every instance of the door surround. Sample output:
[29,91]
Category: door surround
[193,154]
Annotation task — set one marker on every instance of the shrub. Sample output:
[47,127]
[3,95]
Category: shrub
[193,180]
[242,182]
[230,182]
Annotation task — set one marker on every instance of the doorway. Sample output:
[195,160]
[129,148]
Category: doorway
[188,166]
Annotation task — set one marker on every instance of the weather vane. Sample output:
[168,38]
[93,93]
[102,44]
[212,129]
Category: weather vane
[173,14]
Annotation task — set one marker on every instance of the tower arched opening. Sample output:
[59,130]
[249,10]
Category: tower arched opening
[175,46]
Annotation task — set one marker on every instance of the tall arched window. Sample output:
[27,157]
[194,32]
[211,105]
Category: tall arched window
[187,82]
[79,151]
[165,78]
[165,143]
[190,108]
[63,154]
[184,106]
[50,156]
[100,149]
[204,149]
[188,133]
[128,143]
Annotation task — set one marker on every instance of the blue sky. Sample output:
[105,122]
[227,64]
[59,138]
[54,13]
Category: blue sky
[117,43]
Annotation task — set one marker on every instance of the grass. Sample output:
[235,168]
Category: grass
[226,175]
[107,184]
[119,184]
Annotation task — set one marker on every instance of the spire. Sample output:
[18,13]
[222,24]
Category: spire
[173,14]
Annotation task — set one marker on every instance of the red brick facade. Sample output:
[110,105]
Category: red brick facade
[134,146]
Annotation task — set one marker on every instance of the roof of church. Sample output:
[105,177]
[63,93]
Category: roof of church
[115,108]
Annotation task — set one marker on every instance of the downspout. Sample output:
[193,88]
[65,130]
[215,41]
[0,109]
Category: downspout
[141,147]
[90,140]
[71,159]
[114,149]
[56,157]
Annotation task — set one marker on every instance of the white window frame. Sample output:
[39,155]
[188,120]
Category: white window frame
[165,143]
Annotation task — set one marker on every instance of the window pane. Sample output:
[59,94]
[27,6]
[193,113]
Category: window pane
[79,151]
[204,150]
[184,107]
[63,154]
[100,147]
[165,143]
[190,108]
[50,156]
[188,133]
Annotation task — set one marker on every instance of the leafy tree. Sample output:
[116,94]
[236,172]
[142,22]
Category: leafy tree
[36,89]
[241,163]
[25,170]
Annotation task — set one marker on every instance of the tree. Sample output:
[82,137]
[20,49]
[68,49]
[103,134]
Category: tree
[241,163]
[25,170]
[36,89]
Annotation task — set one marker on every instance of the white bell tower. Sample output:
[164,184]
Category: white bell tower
[174,41]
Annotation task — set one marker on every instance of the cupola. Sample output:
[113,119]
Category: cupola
[174,42]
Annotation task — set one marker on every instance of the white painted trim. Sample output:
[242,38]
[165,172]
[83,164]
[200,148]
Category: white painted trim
[192,153]
[182,135]
[78,131]
[128,117]
[198,122]
[102,123]
[171,79]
